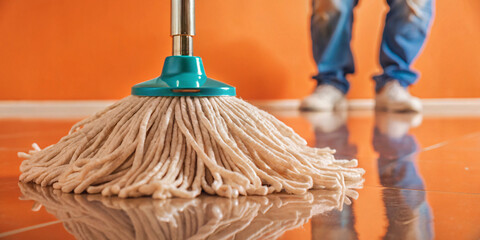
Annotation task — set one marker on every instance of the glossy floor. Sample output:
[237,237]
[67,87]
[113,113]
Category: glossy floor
[422,182]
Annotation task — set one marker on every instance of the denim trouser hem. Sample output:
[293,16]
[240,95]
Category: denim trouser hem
[405,77]
[336,80]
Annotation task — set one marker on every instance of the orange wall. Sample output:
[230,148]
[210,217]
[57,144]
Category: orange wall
[93,49]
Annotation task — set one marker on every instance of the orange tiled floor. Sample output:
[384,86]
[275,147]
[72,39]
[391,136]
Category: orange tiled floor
[422,182]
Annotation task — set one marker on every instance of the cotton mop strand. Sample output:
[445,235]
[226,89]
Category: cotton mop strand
[183,133]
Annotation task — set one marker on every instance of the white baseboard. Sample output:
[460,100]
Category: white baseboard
[432,106]
[51,109]
[78,109]
[365,104]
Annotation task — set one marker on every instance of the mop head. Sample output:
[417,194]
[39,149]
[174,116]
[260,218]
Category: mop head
[180,146]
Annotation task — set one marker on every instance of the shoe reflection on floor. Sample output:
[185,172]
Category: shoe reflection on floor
[331,131]
[408,213]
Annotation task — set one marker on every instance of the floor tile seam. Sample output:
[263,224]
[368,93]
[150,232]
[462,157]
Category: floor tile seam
[38,226]
[425,190]
[29,228]
[449,141]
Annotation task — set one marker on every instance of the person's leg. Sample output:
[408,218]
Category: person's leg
[331,31]
[406,27]
[331,27]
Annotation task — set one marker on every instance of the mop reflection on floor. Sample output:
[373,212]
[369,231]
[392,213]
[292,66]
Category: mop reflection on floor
[206,217]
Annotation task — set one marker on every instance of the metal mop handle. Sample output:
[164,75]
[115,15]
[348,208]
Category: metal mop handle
[183,74]
[183,27]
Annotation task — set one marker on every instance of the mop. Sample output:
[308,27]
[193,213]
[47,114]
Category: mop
[182,134]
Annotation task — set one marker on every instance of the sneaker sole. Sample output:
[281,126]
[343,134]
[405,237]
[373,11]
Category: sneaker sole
[396,108]
[339,106]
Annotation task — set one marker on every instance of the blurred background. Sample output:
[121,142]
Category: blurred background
[96,50]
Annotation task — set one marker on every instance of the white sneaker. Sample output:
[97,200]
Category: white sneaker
[324,98]
[394,97]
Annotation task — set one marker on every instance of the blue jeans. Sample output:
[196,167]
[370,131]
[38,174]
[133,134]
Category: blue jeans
[406,27]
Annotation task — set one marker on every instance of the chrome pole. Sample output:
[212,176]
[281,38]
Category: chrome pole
[183,27]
